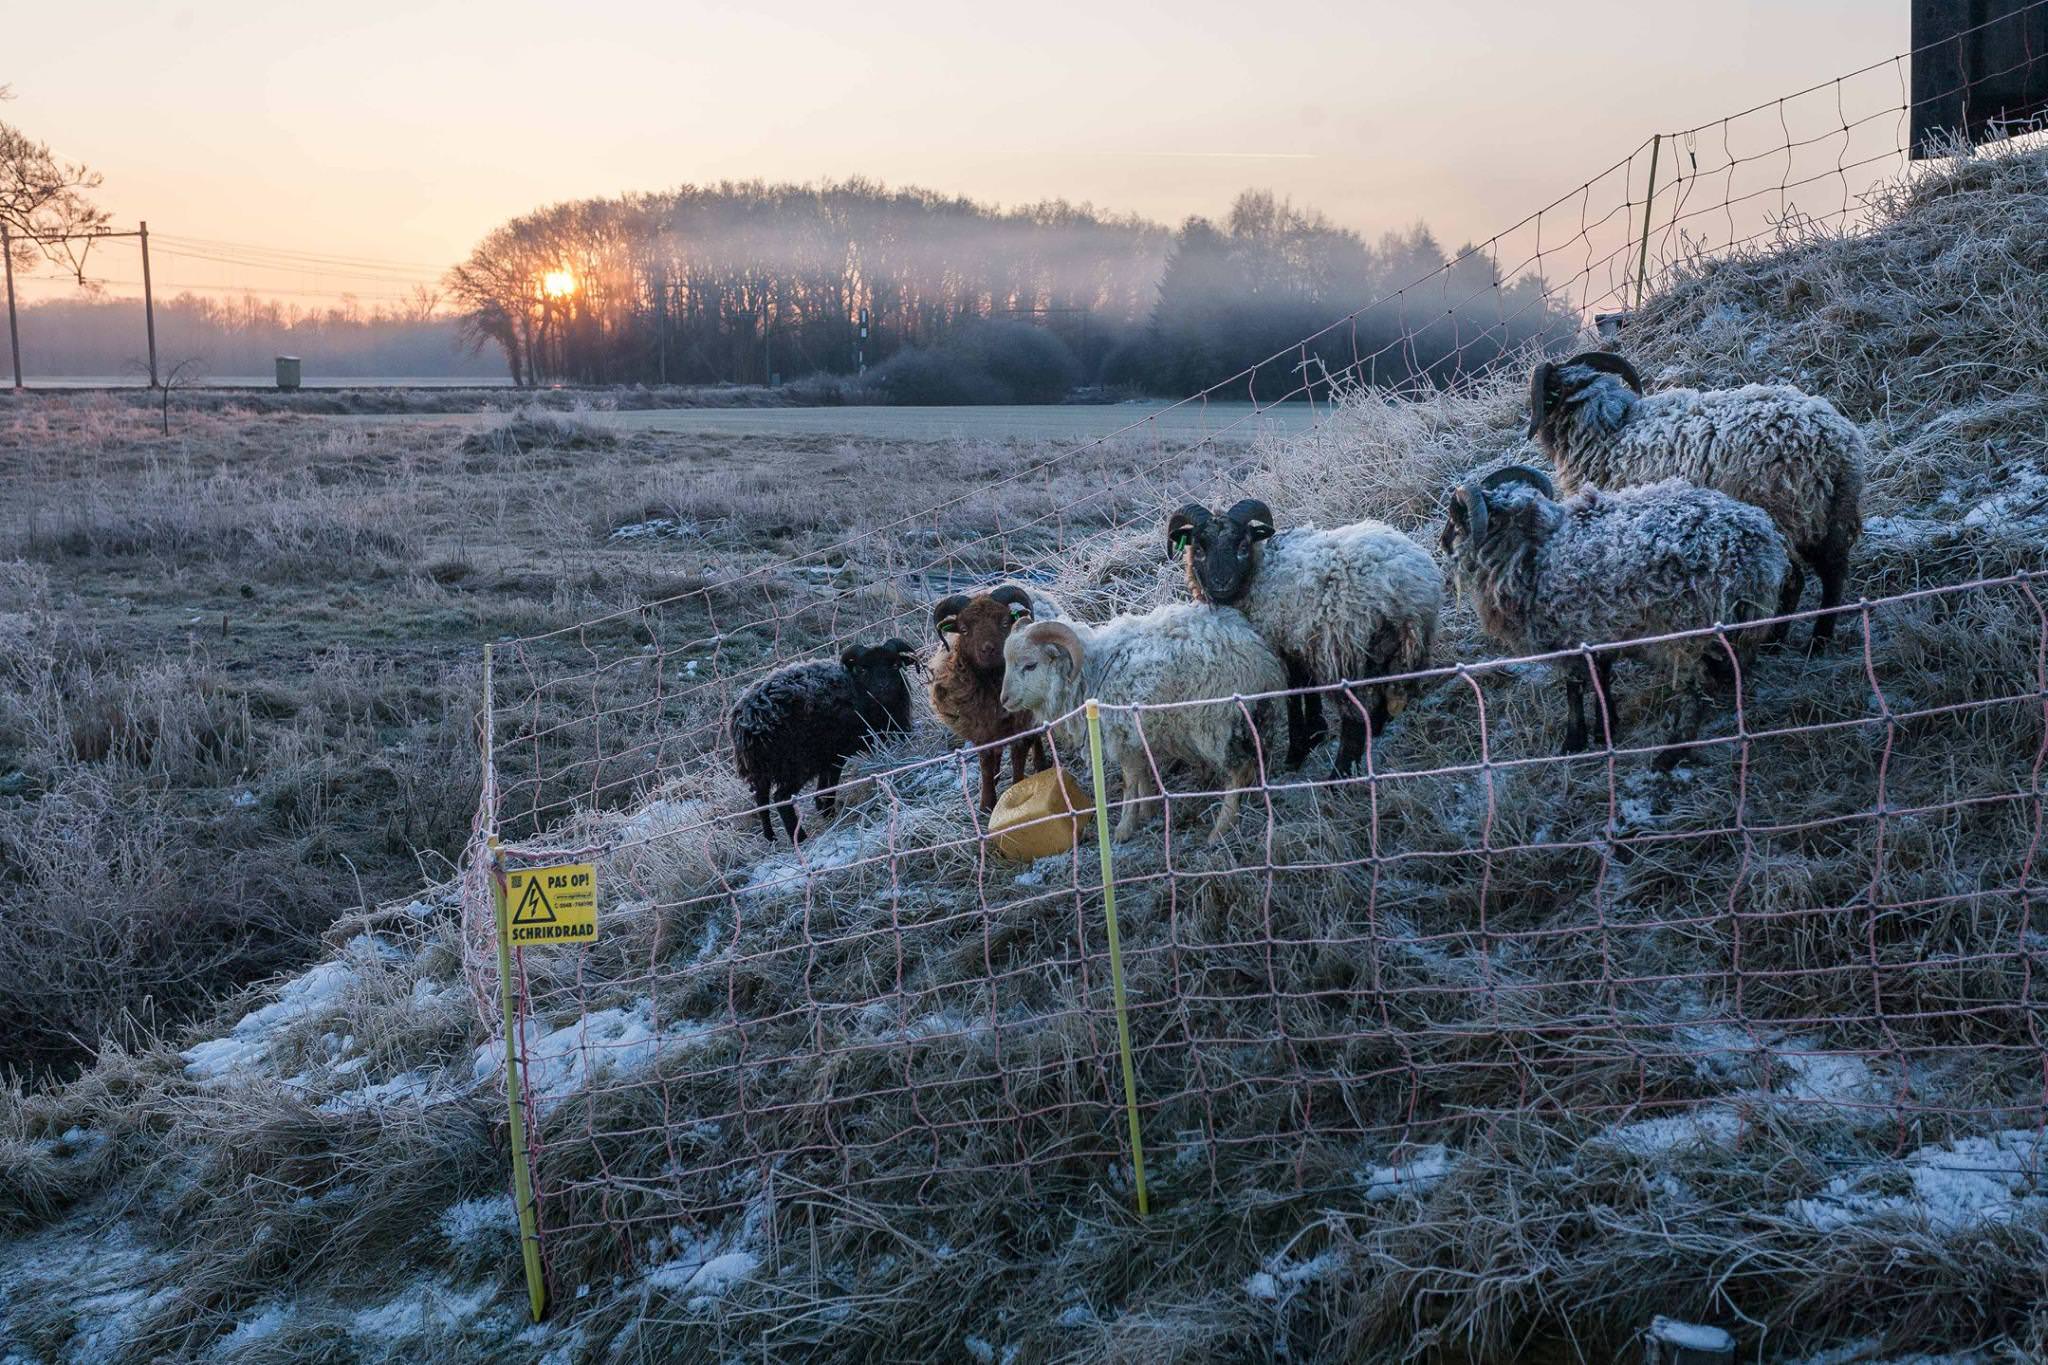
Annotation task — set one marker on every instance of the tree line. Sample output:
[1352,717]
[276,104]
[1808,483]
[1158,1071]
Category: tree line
[748,282]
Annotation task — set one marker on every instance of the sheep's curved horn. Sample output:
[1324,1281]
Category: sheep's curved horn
[1061,636]
[1254,516]
[1543,395]
[945,609]
[1519,473]
[1610,363]
[1473,500]
[901,648]
[1015,598]
[1188,518]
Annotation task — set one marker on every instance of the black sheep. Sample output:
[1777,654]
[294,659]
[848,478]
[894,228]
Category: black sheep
[805,721]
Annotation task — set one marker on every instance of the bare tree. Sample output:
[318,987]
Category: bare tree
[42,198]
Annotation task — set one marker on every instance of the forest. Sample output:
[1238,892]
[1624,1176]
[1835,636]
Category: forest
[938,299]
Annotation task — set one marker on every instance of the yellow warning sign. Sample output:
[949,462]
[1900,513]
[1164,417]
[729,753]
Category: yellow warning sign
[552,905]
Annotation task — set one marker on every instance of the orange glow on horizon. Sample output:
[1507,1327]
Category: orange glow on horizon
[558,284]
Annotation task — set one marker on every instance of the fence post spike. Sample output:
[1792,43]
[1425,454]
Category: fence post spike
[515,1098]
[1116,956]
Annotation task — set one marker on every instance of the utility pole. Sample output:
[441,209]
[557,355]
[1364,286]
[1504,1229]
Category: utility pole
[149,305]
[13,332]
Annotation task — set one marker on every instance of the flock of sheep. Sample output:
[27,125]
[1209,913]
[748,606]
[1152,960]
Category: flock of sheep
[1669,512]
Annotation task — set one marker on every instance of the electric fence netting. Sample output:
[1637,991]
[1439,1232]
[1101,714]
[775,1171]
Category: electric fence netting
[1423,989]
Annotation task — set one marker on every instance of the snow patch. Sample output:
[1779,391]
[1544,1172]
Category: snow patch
[1282,1276]
[711,1265]
[1969,1183]
[475,1220]
[1708,1127]
[1412,1177]
[266,1324]
[318,992]
[657,528]
[605,1043]
[429,1309]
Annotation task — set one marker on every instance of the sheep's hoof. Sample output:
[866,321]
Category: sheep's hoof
[1818,645]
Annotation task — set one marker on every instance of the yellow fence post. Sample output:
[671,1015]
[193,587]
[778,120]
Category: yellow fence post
[1116,956]
[522,1175]
[1649,202]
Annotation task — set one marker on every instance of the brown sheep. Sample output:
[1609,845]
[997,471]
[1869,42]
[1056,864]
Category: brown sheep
[967,680]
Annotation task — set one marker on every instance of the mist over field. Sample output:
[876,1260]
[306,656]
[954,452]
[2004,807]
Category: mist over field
[105,339]
[965,303]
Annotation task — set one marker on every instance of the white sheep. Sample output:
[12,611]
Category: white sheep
[1346,605]
[1771,445]
[1606,567]
[1177,653]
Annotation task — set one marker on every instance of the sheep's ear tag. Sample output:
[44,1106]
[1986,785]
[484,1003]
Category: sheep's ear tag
[1179,543]
[950,626]
[1018,609]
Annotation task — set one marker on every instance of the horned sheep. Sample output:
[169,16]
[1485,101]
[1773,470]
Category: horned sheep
[1775,446]
[967,678]
[1346,605]
[1546,575]
[1183,652]
[805,721]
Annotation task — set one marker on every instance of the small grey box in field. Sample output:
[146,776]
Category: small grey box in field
[1670,1342]
[288,372]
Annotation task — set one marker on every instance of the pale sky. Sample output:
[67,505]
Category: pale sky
[402,132]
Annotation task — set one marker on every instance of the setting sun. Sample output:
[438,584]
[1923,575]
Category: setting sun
[558,284]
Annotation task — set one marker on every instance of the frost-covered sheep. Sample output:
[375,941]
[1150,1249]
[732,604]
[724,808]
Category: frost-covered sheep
[1772,445]
[805,721]
[967,678]
[1181,652]
[1604,567]
[1345,605]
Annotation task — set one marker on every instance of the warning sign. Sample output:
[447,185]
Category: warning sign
[552,905]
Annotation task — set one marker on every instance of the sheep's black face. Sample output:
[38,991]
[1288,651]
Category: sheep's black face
[1218,551]
[877,673]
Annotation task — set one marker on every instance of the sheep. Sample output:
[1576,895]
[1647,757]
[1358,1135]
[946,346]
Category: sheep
[1784,450]
[1181,652]
[806,720]
[967,679]
[1547,575]
[1345,605]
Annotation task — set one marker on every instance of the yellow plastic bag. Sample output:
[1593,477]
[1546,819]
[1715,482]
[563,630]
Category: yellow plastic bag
[1020,827]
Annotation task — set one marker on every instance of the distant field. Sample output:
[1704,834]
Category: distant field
[269,381]
[1140,421]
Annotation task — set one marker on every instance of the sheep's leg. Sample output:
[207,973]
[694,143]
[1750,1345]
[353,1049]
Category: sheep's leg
[991,769]
[1604,709]
[761,794]
[1305,727]
[1574,711]
[1137,773]
[1241,778]
[785,798]
[1686,719]
[1831,562]
[1788,600]
[1352,731]
[828,799]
